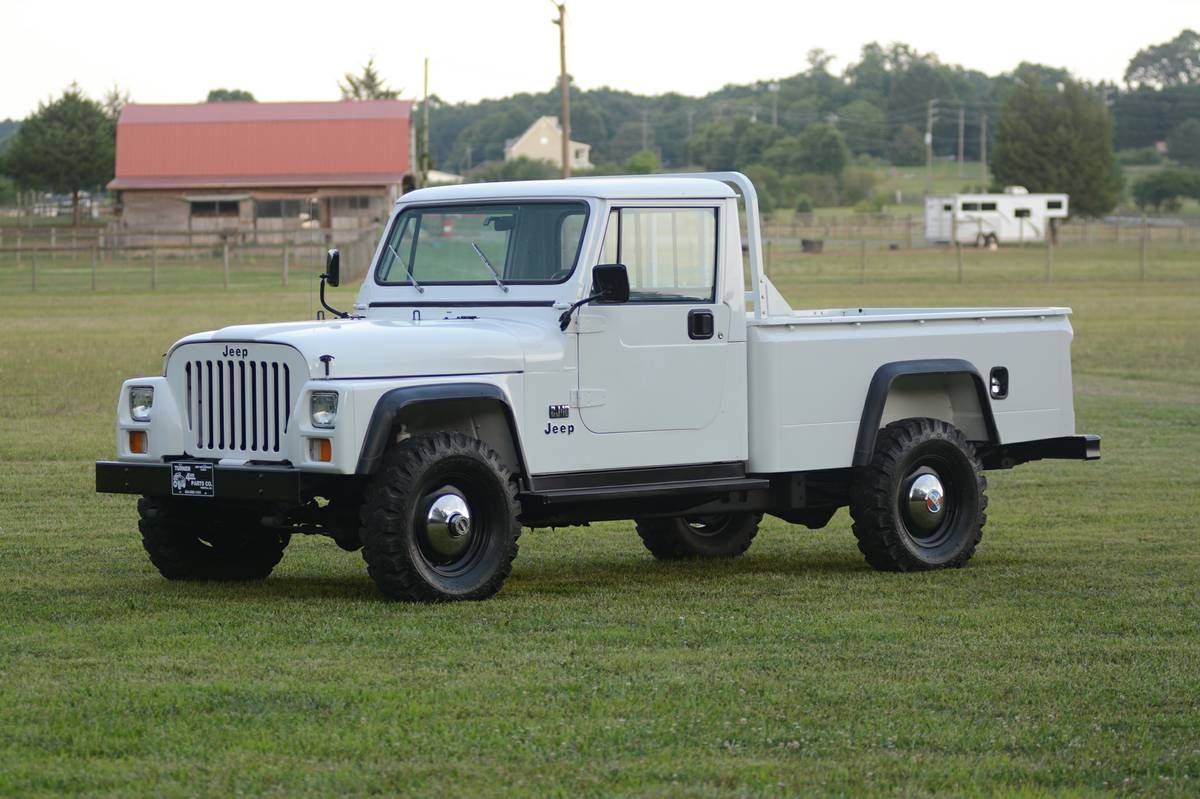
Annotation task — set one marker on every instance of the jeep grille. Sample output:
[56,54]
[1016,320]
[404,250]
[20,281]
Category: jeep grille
[238,405]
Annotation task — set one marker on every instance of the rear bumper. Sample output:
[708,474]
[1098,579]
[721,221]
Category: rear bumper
[1006,456]
[284,484]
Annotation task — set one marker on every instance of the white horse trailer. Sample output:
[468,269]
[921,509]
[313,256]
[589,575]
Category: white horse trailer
[985,219]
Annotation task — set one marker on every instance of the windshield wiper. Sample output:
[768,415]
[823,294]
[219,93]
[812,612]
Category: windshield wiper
[420,289]
[492,269]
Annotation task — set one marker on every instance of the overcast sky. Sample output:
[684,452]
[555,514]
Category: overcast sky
[170,52]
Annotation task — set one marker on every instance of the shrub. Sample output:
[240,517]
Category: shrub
[823,189]
[857,185]
[1139,156]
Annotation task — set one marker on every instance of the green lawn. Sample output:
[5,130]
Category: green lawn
[1065,659]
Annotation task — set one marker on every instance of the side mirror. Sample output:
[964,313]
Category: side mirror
[333,267]
[610,282]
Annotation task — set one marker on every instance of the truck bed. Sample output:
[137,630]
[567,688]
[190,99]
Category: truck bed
[810,371]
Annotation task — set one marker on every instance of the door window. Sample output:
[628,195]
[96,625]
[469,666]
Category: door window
[670,253]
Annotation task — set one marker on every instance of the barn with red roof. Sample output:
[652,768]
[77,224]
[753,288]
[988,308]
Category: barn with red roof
[261,167]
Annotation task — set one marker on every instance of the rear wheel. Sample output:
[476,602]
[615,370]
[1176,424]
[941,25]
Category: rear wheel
[921,502]
[192,540]
[440,520]
[724,535]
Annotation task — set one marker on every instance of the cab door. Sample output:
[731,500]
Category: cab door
[659,369]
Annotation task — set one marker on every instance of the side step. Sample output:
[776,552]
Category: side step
[679,488]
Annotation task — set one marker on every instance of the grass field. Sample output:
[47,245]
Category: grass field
[1065,659]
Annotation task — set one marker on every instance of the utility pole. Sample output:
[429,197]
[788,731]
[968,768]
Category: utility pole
[983,168]
[962,128]
[687,144]
[930,115]
[425,130]
[561,22]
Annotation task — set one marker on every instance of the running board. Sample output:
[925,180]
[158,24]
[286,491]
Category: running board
[704,487]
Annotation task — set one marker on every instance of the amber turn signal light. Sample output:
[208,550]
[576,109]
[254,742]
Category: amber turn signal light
[137,442]
[322,450]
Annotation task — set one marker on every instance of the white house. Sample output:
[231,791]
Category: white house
[543,142]
[983,219]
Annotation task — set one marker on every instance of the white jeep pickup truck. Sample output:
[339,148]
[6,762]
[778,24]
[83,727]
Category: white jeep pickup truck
[554,353]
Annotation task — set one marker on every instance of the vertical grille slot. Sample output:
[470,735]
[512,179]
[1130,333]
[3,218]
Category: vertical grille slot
[220,405]
[266,424]
[187,373]
[287,397]
[211,415]
[242,393]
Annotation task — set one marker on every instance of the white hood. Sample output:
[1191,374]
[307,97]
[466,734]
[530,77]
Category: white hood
[374,348]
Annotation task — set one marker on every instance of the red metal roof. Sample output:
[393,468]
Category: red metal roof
[262,144]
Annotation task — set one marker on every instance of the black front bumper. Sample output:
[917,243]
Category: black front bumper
[285,484]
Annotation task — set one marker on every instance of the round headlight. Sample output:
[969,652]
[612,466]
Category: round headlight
[141,400]
[324,408]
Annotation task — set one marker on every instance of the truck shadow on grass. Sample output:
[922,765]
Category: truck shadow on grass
[574,577]
[544,576]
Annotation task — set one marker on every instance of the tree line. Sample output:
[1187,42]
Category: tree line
[803,134]
[804,138]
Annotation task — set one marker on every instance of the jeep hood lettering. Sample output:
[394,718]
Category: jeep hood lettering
[379,348]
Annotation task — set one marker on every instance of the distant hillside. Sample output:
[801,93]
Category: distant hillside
[879,103]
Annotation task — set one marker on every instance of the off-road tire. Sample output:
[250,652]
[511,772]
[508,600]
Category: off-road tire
[394,519]
[712,536]
[194,540]
[886,534]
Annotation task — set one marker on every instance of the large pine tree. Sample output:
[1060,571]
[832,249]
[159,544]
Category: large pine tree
[1058,139]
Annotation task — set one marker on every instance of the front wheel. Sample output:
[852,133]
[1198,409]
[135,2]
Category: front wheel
[439,521]
[920,503]
[193,540]
[724,535]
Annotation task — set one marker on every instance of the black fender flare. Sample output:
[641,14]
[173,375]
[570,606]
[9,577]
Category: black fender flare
[393,403]
[881,384]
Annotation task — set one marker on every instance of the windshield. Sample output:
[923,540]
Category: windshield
[483,243]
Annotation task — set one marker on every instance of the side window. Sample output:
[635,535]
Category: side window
[608,253]
[671,253]
[570,231]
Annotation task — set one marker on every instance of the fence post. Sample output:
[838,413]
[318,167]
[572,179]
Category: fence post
[1142,256]
[1049,257]
[74,245]
[958,258]
[154,260]
[225,262]
[53,241]
[93,266]
[862,261]
[17,257]
[908,232]
[33,269]
[286,257]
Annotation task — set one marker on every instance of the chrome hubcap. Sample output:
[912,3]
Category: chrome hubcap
[448,525]
[926,502]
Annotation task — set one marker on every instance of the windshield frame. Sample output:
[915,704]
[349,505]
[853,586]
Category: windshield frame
[398,219]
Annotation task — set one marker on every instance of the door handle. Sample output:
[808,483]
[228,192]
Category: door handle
[700,323]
